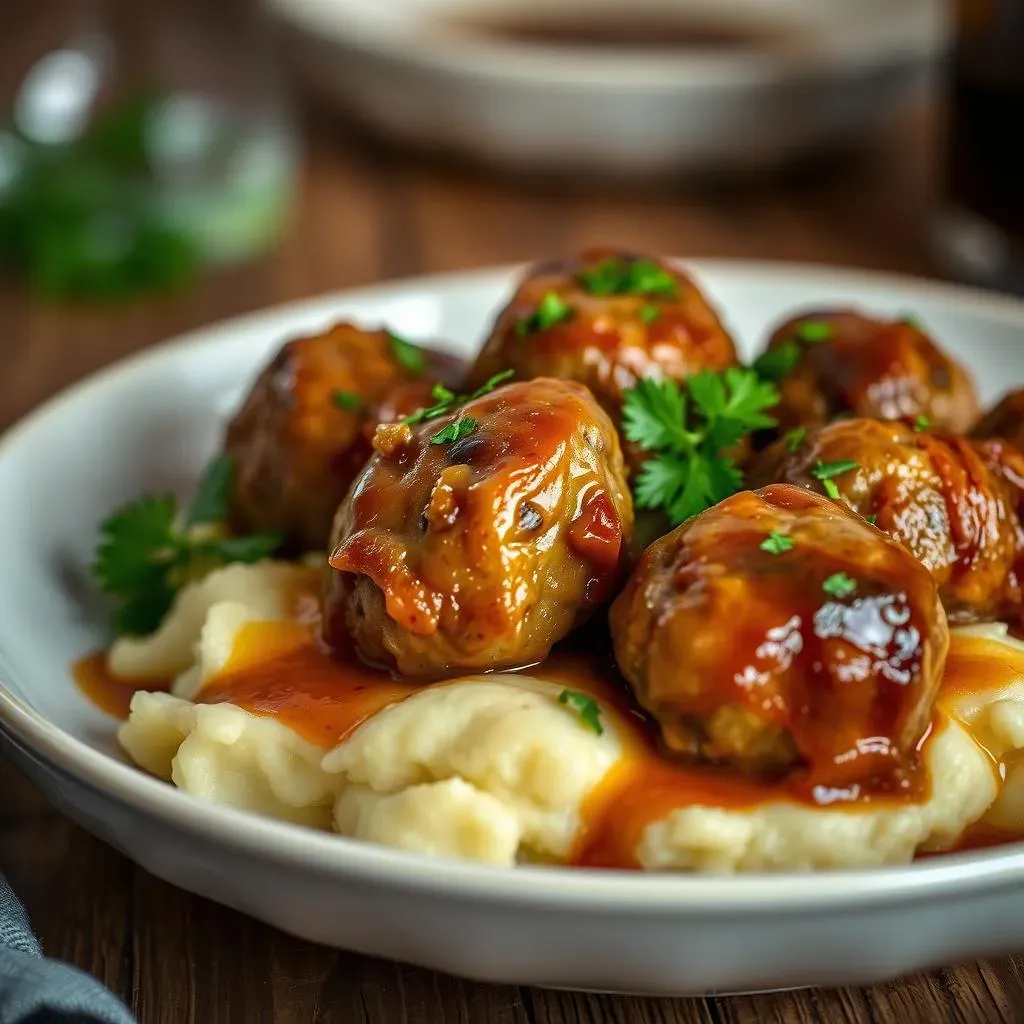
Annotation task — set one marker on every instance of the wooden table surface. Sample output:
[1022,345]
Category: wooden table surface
[365,214]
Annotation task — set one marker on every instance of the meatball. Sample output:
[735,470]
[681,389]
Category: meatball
[835,362]
[1005,419]
[478,539]
[953,502]
[606,319]
[304,430]
[778,630]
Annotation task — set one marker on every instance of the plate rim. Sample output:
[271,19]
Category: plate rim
[918,33]
[578,889]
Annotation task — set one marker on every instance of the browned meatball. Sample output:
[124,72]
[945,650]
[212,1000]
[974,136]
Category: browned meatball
[606,319]
[1005,419]
[846,363]
[779,630]
[304,430]
[954,503]
[478,539]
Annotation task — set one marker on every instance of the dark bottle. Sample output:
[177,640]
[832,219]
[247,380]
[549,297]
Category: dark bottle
[979,230]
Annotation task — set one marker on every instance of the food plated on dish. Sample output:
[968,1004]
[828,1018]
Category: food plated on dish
[604,596]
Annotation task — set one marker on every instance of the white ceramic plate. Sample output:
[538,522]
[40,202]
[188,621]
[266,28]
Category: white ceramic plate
[395,65]
[153,421]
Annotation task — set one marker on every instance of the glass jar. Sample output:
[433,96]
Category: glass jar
[138,137]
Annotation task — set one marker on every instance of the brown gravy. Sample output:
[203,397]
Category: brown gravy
[282,670]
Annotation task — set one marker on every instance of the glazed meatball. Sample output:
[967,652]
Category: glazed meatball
[778,630]
[606,319]
[478,539]
[953,502]
[839,362]
[1005,419]
[304,430]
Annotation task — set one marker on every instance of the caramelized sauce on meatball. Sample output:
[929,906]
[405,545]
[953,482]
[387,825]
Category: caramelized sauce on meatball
[848,363]
[954,503]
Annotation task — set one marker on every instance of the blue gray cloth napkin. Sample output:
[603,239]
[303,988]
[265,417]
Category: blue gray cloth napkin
[37,990]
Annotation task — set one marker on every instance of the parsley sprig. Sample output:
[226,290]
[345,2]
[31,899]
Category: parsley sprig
[454,431]
[446,400]
[586,707]
[551,311]
[615,276]
[408,356]
[825,471]
[147,551]
[689,432]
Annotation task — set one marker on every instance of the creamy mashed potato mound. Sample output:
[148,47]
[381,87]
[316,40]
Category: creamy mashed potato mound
[495,769]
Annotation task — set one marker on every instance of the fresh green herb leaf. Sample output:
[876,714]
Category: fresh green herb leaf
[872,519]
[825,471]
[454,431]
[839,585]
[777,543]
[814,331]
[144,557]
[586,707]
[689,434]
[615,276]
[347,400]
[794,438]
[777,362]
[911,321]
[409,356]
[650,314]
[552,311]
[921,423]
[446,400]
[213,493]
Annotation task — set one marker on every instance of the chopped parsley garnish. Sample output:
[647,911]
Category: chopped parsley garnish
[615,276]
[650,314]
[777,543]
[839,585]
[553,310]
[454,431]
[794,438]
[911,321]
[408,356]
[446,400]
[825,471]
[586,707]
[347,400]
[872,519]
[145,555]
[814,331]
[689,432]
[777,362]
[921,423]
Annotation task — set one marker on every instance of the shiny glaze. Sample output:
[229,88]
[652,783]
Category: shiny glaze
[483,552]
[296,451]
[871,368]
[605,343]
[1005,419]
[744,659]
[953,502]
[108,692]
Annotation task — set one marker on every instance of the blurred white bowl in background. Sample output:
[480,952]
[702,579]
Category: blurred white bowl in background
[782,78]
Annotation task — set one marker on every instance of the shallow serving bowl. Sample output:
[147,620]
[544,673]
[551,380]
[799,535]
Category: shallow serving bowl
[405,68]
[152,421]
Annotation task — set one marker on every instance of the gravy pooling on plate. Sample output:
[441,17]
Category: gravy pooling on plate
[803,705]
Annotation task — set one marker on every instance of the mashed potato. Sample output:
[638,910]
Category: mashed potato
[495,769]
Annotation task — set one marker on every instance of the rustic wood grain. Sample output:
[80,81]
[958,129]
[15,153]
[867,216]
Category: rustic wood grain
[365,213]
